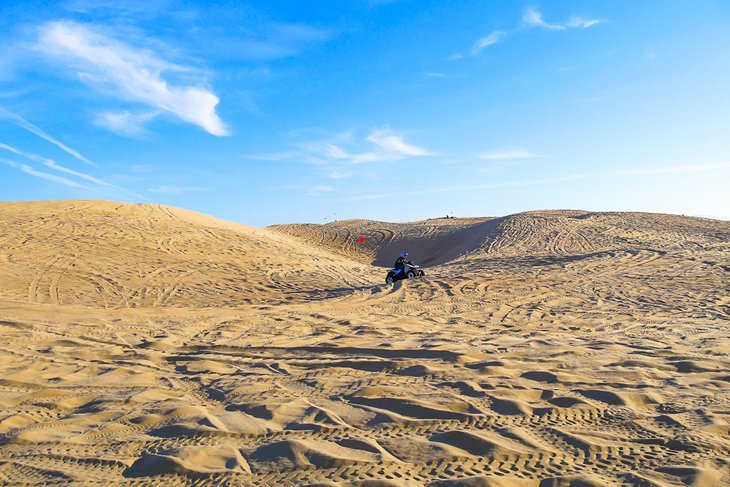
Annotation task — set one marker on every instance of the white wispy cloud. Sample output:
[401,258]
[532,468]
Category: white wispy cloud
[687,168]
[276,156]
[322,188]
[441,75]
[501,155]
[169,189]
[264,41]
[131,73]
[337,174]
[126,122]
[487,41]
[492,170]
[595,175]
[367,197]
[50,163]
[533,18]
[582,23]
[24,124]
[43,175]
[135,9]
[241,32]
[385,146]
[98,185]
[382,144]
[391,143]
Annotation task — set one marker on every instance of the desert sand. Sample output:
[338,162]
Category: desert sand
[148,345]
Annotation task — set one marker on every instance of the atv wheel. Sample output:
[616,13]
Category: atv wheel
[410,274]
[420,273]
[389,280]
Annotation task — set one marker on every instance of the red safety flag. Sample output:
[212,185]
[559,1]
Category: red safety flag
[361,240]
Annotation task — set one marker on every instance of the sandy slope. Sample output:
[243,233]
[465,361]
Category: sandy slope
[145,344]
[434,241]
[122,255]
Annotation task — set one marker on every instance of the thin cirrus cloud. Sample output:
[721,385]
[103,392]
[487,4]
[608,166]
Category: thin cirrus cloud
[478,46]
[51,164]
[533,18]
[266,42]
[337,174]
[172,190]
[385,145]
[487,41]
[130,73]
[26,125]
[503,155]
[382,145]
[322,188]
[97,185]
[392,143]
[42,175]
[129,9]
[597,175]
[126,122]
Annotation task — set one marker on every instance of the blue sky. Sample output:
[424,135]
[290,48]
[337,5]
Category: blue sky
[292,111]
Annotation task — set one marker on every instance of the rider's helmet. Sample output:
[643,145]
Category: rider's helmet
[404,254]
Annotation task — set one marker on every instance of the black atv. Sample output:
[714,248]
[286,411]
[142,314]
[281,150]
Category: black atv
[408,272]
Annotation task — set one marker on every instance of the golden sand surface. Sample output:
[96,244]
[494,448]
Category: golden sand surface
[148,345]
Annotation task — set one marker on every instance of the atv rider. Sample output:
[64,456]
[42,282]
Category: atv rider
[401,262]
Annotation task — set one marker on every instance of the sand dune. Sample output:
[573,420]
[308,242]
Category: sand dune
[548,233]
[435,241]
[121,255]
[143,344]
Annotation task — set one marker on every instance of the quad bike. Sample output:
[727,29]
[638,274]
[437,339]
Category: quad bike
[408,272]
